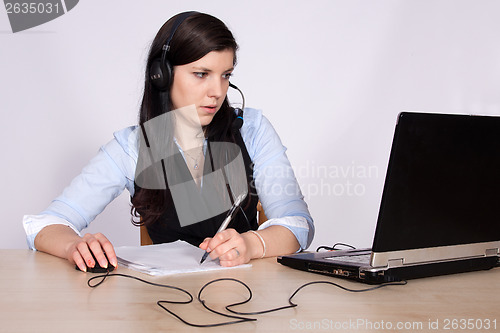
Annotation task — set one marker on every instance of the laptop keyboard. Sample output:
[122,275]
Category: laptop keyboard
[358,259]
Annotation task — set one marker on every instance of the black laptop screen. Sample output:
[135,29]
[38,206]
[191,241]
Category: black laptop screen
[443,183]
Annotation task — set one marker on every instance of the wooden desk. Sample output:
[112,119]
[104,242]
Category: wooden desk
[42,293]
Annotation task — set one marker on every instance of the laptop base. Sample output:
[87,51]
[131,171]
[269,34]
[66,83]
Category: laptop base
[310,262]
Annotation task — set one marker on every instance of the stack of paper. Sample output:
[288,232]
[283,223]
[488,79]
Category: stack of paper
[165,259]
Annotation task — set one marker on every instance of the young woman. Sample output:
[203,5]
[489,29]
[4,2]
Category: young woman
[188,70]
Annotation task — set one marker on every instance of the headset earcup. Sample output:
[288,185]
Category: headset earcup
[160,74]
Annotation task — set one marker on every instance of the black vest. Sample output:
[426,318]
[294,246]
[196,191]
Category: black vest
[168,229]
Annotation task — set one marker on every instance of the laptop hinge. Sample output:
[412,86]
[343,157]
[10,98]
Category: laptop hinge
[395,263]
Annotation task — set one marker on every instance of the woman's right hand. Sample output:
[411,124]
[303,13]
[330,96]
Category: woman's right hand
[61,241]
[79,252]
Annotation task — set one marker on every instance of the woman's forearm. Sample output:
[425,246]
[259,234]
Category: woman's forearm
[278,241]
[56,239]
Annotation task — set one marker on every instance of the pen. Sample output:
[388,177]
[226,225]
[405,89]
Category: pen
[226,221]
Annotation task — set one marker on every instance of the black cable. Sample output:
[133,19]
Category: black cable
[250,295]
[239,319]
[334,247]
[161,302]
[292,305]
[104,276]
[228,307]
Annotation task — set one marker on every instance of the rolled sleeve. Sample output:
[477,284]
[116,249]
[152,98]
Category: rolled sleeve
[34,223]
[297,225]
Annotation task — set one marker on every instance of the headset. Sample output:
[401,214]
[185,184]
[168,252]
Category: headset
[238,121]
[160,71]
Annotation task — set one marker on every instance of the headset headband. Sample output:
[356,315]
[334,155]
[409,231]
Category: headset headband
[177,23]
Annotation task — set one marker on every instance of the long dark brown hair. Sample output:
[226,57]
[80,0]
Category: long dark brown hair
[196,36]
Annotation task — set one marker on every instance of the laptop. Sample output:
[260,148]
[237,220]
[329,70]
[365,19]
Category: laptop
[440,207]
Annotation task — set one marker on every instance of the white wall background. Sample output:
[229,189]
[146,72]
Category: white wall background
[331,75]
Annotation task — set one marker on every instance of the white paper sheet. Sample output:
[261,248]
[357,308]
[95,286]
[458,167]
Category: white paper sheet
[166,259]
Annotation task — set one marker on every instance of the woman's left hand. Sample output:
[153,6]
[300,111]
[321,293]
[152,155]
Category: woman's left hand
[231,247]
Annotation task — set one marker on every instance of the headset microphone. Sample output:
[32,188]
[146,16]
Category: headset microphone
[238,121]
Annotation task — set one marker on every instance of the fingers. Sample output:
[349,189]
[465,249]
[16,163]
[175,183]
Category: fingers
[77,257]
[97,244]
[228,246]
[204,244]
[109,254]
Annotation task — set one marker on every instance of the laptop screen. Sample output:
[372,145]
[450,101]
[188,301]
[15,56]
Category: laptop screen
[443,183]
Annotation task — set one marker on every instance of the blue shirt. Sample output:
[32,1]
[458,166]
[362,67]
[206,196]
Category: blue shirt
[113,170]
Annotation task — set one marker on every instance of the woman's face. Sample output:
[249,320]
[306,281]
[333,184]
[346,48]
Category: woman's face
[203,83]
